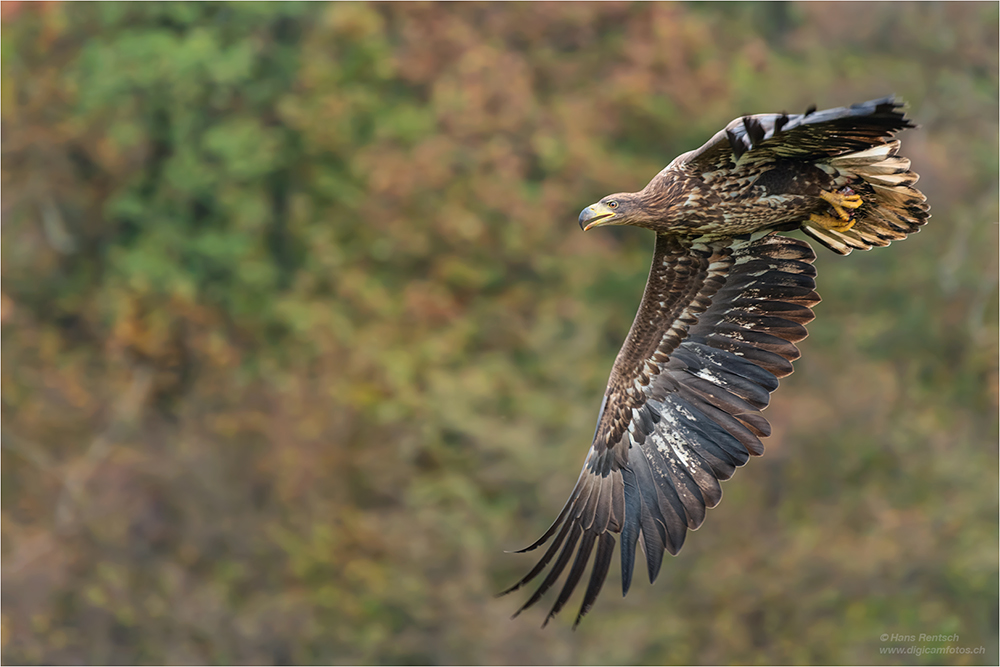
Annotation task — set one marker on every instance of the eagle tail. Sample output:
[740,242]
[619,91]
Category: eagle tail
[892,208]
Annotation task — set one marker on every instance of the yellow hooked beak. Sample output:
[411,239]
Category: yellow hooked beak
[596,215]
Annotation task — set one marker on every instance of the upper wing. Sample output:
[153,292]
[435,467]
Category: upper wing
[715,330]
[814,133]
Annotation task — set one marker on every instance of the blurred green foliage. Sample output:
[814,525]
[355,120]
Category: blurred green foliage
[300,332]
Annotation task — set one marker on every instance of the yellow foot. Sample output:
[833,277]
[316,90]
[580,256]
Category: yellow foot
[841,201]
[831,223]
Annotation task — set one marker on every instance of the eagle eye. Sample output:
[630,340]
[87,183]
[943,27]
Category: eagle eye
[612,204]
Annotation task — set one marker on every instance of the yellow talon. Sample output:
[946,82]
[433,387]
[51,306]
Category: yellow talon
[839,202]
[831,223]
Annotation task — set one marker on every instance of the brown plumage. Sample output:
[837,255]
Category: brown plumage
[725,303]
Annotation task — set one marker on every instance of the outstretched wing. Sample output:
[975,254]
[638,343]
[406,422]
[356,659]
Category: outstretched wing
[768,137]
[715,330]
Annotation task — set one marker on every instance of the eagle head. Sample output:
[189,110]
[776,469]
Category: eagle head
[640,209]
[617,209]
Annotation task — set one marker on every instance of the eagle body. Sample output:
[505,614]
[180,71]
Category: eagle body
[717,204]
[726,301]
[770,172]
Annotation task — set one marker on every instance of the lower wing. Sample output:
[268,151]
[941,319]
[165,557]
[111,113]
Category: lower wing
[715,331]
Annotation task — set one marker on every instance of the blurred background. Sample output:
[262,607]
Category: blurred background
[300,333]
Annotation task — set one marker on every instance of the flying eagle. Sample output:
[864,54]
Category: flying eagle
[726,301]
